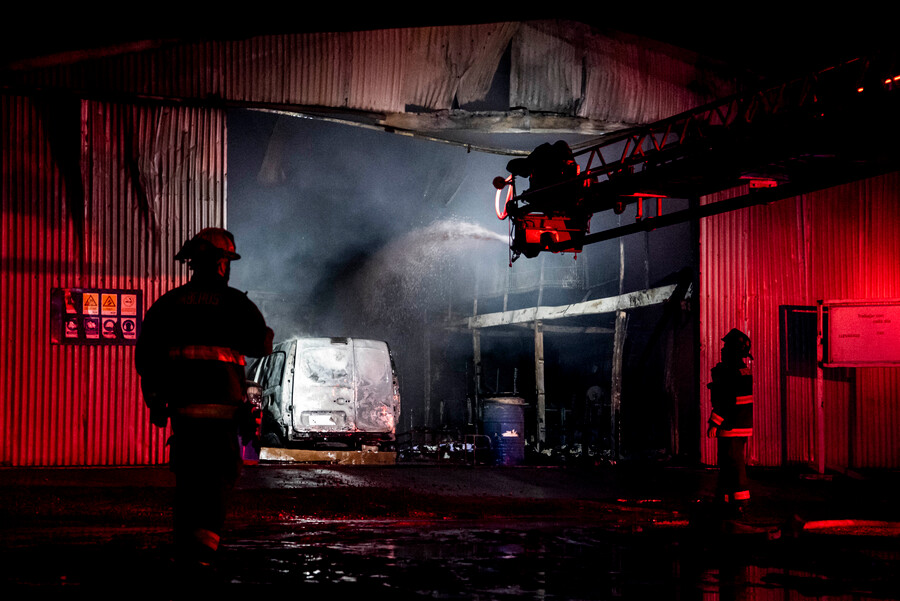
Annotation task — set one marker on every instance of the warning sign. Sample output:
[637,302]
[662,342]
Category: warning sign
[90,303]
[129,304]
[92,328]
[95,316]
[71,327]
[129,328]
[109,304]
[109,327]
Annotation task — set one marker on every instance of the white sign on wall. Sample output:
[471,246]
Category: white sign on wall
[863,333]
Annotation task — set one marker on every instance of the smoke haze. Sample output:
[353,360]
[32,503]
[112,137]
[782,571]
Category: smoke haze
[347,231]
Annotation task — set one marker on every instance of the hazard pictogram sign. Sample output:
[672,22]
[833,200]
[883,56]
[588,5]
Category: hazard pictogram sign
[92,327]
[109,304]
[109,327]
[71,327]
[90,303]
[95,316]
[129,328]
[129,304]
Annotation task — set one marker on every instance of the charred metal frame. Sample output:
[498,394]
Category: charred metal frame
[535,317]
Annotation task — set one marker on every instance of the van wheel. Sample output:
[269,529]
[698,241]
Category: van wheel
[272,440]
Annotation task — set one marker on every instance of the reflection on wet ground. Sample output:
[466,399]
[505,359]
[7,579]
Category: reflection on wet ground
[479,559]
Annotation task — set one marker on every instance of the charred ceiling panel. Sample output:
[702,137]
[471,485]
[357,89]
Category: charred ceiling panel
[569,68]
[444,64]
[558,69]
[547,63]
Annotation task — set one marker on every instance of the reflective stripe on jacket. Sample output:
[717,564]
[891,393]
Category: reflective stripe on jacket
[207,353]
[193,342]
[732,400]
[207,411]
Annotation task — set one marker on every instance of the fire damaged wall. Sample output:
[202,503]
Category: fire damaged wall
[96,196]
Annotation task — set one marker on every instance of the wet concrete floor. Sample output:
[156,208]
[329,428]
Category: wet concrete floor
[414,532]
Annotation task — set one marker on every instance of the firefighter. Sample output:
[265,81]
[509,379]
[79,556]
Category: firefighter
[731,422]
[191,356]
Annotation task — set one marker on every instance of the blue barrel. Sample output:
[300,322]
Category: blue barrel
[504,424]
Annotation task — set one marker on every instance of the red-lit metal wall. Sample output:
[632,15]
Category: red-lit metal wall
[95,195]
[835,244]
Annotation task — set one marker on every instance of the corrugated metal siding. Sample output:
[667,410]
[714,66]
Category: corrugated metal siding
[551,85]
[835,244]
[443,63]
[557,67]
[635,81]
[375,74]
[724,248]
[81,405]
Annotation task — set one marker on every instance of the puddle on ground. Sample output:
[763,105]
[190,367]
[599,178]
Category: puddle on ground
[450,559]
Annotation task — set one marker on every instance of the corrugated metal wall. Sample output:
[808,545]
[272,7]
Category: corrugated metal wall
[835,244]
[632,81]
[556,67]
[95,195]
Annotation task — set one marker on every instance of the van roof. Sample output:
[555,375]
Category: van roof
[320,341]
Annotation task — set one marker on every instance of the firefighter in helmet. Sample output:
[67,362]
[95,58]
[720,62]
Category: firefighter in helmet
[191,356]
[731,421]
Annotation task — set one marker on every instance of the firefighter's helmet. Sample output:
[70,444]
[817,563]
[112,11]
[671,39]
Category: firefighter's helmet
[739,341]
[212,243]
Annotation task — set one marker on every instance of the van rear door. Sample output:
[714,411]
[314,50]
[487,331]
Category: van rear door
[374,386]
[324,397]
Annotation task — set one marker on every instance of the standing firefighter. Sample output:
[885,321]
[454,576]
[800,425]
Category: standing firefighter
[190,357]
[731,421]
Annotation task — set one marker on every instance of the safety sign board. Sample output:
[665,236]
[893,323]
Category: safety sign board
[71,327]
[129,328]
[129,304]
[95,316]
[109,325]
[90,303]
[91,328]
[108,304]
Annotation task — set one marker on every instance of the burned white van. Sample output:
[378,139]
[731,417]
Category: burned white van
[328,392]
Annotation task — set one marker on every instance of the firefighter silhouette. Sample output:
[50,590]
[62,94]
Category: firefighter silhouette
[191,355]
[731,421]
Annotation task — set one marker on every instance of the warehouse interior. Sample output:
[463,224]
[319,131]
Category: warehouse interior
[363,223]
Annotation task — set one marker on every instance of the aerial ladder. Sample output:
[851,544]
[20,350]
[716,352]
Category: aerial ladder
[830,127]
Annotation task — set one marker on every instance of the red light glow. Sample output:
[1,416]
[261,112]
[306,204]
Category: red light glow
[539,229]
